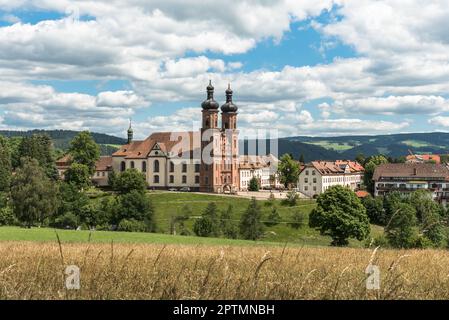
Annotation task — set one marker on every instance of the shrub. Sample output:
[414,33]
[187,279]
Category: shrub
[251,227]
[292,198]
[297,220]
[135,205]
[227,226]
[66,221]
[378,241]
[422,242]
[253,184]
[131,225]
[129,180]
[273,218]
[271,200]
[208,225]
[7,217]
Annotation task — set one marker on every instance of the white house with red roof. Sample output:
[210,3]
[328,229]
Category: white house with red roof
[318,176]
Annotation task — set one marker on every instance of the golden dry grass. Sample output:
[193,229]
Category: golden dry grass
[141,271]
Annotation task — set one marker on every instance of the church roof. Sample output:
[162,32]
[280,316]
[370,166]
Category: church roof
[168,143]
[104,163]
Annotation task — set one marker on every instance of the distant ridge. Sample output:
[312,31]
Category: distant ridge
[61,138]
[312,148]
[348,147]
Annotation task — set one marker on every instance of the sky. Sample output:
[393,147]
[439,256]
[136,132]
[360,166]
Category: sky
[301,67]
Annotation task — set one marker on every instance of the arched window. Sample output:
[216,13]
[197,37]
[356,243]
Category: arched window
[132,164]
[144,166]
[122,166]
[156,179]
[156,166]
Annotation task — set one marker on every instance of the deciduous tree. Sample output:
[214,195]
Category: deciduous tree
[84,150]
[34,195]
[288,170]
[341,215]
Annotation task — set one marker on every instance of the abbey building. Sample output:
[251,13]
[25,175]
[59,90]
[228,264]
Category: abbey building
[206,160]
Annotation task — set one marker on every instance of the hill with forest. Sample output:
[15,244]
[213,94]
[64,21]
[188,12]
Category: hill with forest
[348,147]
[61,138]
[394,145]
[312,148]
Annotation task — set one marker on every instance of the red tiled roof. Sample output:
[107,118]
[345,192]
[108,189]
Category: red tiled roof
[64,161]
[166,141]
[104,164]
[361,194]
[336,167]
[256,162]
[424,157]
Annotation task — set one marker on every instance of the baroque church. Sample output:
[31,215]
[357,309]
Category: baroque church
[206,160]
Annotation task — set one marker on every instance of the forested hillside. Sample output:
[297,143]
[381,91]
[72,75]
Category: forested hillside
[61,138]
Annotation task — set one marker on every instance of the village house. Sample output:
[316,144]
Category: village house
[423,158]
[318,176]
[409,177]
[263,168]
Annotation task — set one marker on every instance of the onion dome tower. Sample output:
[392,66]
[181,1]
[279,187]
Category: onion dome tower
[210,109]
[229,111]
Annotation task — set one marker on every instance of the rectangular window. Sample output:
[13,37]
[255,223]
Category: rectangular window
[197,167]
[156,179]
[306,180]
[184,179]
[307,172]
[172,179]
[172,166]
[306,188]
[314,180]
[197,179]
[184,167]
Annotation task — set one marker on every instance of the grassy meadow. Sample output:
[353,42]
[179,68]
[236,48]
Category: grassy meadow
[156,271]
[286,263]
[167,204]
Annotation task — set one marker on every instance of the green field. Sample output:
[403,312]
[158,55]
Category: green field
[167,204]
[73,236]
[417,144]
[339,147]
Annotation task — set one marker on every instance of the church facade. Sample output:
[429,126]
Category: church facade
[206,160]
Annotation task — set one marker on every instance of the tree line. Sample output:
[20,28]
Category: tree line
[31,193]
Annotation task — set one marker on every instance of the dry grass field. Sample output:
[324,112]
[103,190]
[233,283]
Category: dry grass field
[143,271]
